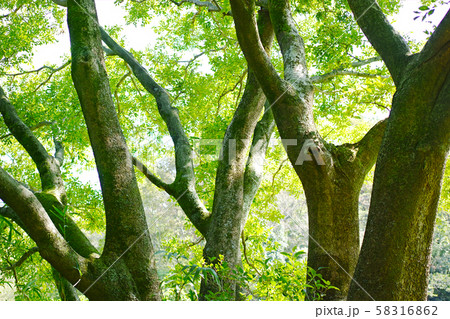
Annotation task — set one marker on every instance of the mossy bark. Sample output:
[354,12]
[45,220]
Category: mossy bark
[128,244]
[396,251]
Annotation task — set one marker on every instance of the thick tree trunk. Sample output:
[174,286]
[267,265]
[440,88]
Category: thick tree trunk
[395,256]
[128,246]
[333,178]
[237,180]
[333,232]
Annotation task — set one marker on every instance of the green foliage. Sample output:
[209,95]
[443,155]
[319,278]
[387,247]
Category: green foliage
[195,56]
[33,279]
[287,278]
[25,24]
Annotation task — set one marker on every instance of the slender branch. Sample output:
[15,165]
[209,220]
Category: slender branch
[389,44]
[50,76]
[226,91]
[365,62]
[33,128]
[328,76]
[52,70]
[342,71]
[189,62]
[211,6]
[116,91]
[12,13]
[198,241]
[47,165]
[22,259]
[244,246]
[151,177]
[280,167]
[183,188]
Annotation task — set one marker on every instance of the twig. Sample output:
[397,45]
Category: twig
[33,128]
[116,91]
[196,242]
[245,254]
[22,259]
[341,71]
[334,73]
[50,75]
[225,92]
[12,13]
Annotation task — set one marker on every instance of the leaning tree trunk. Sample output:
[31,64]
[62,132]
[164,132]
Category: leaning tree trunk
[396,252]
[236,179]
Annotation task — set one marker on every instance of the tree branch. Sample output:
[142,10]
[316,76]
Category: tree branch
[47,165]
[8,212]
[50,76]
[365,62]
[150,176]
[328,76]
[52,70]
[183,188]
[342,71]
[254,170]
[33,128]
[22,259]
[389,44]
[368,147]
[230,175]
[250,43]
[438,40]
[67,291]
[62,3]
[12,13]
[211,6]
[291,43]
[41,229]
[291,104]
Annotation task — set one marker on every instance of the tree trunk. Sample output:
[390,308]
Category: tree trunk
[128,245]
[333,232]
[236,178]
[331,175]
[395,256]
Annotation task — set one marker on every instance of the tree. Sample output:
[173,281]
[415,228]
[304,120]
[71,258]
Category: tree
[128,252]
[411,164]
[394,224]
[331,175]
[333,181]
